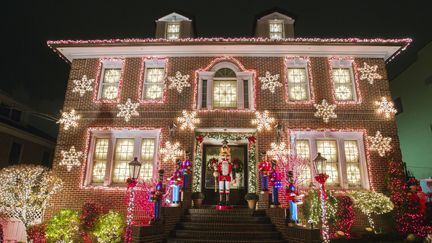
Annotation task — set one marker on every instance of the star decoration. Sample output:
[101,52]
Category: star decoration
[278,151]
[179,81]
[188,120]
[69,119]
[386,107]
[380,144]
[171,151]
[270,82]
[83,85]
[263,120]
[369,73]
[70,158]
[128,110]
[325,110]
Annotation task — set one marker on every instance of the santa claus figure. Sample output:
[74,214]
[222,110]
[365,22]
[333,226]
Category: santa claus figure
[224,168]
[264,168]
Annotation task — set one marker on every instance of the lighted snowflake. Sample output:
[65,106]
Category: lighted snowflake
[263,120]
[69,119]
[71,158]
[128,110]
[179,81]
[278,151]
[83,85]
[270,82]
[325,110]
[386,107]
[171,151]
[188,120]
[369,73]
[380,144]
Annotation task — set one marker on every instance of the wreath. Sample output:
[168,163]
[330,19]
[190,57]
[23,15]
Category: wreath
[237,166]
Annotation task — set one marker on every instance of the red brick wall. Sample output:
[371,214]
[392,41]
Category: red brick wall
[292,116]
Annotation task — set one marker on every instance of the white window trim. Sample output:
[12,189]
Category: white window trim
[344,63]
[298,63]
[113,135]
[166,29]
[107,64]
[339,137]
[240,76]
[277,21]
[153,63]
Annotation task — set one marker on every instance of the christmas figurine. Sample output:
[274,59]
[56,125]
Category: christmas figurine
[175,182]
[186,169]
[264,168]
[275,183]
[293,198]
[224,168]
[157,197]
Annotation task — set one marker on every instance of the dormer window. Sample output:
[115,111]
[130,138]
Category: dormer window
[276,29]
[173,30]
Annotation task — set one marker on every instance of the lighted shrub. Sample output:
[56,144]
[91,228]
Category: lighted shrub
[63,226]
[312,209]
[109,228]
[36,233]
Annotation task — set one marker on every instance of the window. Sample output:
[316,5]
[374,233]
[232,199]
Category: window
[344,151]
[173,30]
[225,94]
[110,79]
[343,80]
[154,77]
[297,84]
[15,154]
[276,29]
[111,152]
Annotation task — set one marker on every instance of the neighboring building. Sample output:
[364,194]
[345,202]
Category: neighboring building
[22,136]
[412,93]
[227,86]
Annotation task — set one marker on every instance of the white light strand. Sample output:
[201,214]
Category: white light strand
[263,120]
[325,227]
[386,107]
[128,110]
[70,158]
[325,111]
[179,81]
[188,120]
[171,151]
[69,119]
[270,82]
[380,144]
[369,73]
[83,85]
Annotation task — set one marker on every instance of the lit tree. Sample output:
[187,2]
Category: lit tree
[25,191]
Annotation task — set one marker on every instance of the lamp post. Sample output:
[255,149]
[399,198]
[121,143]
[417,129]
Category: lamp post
[321,177]
[134,171]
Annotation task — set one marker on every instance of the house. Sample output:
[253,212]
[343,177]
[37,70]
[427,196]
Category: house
[227,83]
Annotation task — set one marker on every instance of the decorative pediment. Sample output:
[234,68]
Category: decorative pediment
[173,17]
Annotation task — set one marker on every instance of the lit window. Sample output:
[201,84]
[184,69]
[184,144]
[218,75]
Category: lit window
[110,83]
[153,84]
[124,153]
[297,84]
[328,149]
[276,29]
[100,160]
[173,30]
[147,156]
[343,84]
[302,150]
[224,94]
[352,163]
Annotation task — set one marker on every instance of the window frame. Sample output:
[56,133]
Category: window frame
[282,32]
[299,62]
[345,63]
[109,63]
[112,135]
[172,23]
[148,63]
[339,137]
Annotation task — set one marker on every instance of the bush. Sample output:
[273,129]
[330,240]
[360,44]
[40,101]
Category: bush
[36,233]
[89,214]
[63,226]
[109,227]
[312,210]
[344,216]
[251,196]
[197,195]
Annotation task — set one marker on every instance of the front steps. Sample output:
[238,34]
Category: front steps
[238,225]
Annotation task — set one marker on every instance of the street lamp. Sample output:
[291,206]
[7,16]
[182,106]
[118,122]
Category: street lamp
[134,169]
[321,177]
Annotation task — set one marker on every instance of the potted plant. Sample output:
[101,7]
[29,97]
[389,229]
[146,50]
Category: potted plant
[197,198]
[252,199]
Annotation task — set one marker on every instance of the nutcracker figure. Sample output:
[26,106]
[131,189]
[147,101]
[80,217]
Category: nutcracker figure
[175,182]
[293,197]
[157,197]
[224,168]
[186,169]
[264,168]
[275,183]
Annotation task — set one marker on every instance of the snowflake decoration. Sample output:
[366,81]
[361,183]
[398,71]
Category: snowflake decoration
[179,81]
[278,151]
[369,73]
[386,107]
[71,158]
[325,110]
[380,144]
[263,120]
[83,85]
[128,110]
[270,82]
[69,119]
[188,120]
[171,151]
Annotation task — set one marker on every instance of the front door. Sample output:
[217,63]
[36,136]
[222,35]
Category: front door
[238,185]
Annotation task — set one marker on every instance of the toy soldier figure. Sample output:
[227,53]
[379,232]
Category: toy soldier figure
[186,169]
[157,197]
[275,183]
[175,183]
[224,168]
[264,168]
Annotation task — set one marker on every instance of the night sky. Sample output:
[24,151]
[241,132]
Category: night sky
[36,76]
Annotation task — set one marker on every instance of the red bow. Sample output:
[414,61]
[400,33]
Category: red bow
[252,139]
[200,139]
[131,183]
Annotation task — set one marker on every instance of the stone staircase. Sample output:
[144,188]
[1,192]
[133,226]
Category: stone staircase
[239,225]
